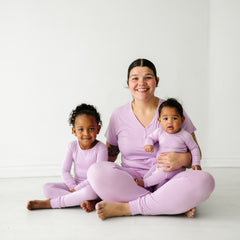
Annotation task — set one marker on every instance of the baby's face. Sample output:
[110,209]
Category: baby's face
[170,120]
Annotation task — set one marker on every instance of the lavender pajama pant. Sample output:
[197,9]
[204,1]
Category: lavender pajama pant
[181,193]
[61,196]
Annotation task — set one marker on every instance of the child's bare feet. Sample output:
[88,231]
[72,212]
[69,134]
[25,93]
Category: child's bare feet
[111,209]
[139,182]
[89,205]
[38,204]
[191,213]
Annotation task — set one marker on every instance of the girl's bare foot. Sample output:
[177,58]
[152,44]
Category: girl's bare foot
[111,209]
[89,205]
[191,213]
[38,204]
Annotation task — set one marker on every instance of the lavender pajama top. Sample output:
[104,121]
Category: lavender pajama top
[59,193]
[82,160]
[178,142]
[126,132]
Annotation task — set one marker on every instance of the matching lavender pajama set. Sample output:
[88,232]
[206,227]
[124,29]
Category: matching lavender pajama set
[112,182]
[59,193]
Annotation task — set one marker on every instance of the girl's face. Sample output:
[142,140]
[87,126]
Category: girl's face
[142,83]
[170,120]
[86,130]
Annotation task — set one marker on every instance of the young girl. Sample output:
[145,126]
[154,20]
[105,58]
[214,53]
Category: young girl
[171,138]
[83,152]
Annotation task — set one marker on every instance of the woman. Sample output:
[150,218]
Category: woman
[128,127]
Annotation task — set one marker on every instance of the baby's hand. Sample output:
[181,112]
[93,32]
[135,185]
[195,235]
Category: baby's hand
[148,148]
[196,167]
[72,190]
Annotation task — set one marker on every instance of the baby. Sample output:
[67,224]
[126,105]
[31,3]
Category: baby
[171,138]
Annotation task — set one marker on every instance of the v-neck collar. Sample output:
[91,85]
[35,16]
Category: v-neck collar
[138,122]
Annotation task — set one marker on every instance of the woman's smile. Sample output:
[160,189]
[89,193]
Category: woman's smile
[142,89]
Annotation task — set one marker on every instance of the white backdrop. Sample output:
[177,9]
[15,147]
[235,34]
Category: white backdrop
[55,54]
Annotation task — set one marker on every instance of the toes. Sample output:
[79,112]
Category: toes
[99,211]
[101,215]
[99,206]
[191,213]
[29,206]
[83,205]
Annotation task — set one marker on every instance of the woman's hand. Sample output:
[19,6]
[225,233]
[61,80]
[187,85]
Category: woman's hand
[72,190]
[173,161]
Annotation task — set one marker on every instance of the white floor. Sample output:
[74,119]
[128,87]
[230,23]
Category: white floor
[217,218]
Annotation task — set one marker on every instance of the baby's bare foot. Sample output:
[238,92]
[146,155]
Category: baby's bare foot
[191,213]
[139,182]
[111,209]
[89,205]
[38,204]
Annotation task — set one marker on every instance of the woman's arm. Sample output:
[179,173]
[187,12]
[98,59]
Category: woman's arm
[195,139]
[113,152]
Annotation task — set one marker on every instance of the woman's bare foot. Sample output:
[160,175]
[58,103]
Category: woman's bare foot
[191,213]
[38,204]
[111,209]
[89,205]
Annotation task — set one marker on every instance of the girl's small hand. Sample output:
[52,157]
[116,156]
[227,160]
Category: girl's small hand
[73,190]
[196,167]
[172,161]
[148,148]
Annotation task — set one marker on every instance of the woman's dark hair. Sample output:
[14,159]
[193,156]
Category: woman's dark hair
[84,109]
[141,62]
[172,103]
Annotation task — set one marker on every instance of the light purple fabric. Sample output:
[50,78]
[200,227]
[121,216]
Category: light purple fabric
[59,193]
[180,194]
[183,192]
[126,132]
[113,183]
[178,142]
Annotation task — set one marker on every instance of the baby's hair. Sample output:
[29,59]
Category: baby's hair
[172,103]
[84,109]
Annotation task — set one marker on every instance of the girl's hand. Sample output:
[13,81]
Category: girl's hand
[148,148]
[196,167]
[172,161]
[73,190]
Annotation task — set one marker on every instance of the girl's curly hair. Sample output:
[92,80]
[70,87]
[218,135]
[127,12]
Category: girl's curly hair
[84,109]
